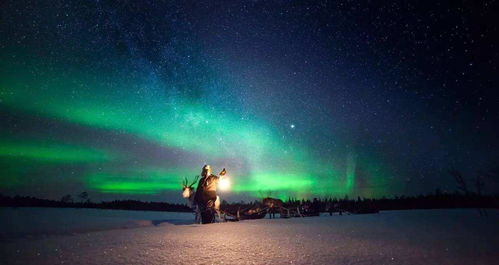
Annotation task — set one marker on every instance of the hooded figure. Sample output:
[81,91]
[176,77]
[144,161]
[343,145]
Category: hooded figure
[206,193]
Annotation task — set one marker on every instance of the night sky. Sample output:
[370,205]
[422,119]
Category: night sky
[123,99]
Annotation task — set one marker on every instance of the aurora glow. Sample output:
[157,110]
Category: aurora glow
[50,152]
[127,100]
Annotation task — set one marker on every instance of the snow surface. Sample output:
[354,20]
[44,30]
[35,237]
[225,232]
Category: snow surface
[392,237]
[30,222]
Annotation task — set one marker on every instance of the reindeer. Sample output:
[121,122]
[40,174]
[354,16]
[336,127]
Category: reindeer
[272,204]
[189,193]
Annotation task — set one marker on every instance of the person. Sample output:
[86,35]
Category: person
[315,207]
[206,194]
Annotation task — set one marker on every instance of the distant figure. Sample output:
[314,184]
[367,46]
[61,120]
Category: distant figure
[337,207]
[315,207]
[329,208]
[206,194]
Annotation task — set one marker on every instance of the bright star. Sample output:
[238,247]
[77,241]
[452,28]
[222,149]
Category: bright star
[292,126]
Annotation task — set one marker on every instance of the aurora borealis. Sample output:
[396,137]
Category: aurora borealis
[124,99]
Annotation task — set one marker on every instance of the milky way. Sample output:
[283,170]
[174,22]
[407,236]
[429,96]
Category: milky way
[294,98]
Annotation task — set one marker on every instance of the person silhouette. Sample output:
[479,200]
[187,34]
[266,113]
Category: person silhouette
[206,194]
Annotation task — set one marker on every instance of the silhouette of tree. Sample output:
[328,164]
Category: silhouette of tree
[67,198]
[461,184]
[479,188]
[83,196]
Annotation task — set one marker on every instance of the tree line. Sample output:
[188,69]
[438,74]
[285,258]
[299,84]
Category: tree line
[84,202]
[436,200]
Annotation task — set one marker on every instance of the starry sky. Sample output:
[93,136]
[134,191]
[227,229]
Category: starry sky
[124,99]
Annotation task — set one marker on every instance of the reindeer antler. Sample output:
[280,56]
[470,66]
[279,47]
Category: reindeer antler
[184,182]
[194,182]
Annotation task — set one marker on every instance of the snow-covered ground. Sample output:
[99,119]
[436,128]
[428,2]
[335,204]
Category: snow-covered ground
[393,237]
[39,222]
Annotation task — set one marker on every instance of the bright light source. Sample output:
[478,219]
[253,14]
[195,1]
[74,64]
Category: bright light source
[224,184]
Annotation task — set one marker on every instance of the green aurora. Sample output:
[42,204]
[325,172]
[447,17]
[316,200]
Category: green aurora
[179,120]
[272,164]
[50,152]
[126,99]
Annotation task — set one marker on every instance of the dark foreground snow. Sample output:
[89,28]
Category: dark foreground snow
[396,237]
[40,222]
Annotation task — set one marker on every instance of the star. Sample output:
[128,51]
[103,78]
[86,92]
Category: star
[179,99]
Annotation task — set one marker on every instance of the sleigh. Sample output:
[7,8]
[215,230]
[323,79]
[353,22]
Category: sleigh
[238,214]
[252,214]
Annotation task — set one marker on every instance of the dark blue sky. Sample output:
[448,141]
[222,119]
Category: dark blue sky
[396,92]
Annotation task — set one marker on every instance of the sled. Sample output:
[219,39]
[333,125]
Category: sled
[244,214]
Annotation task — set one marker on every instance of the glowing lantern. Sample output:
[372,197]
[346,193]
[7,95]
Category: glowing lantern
[224,184]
